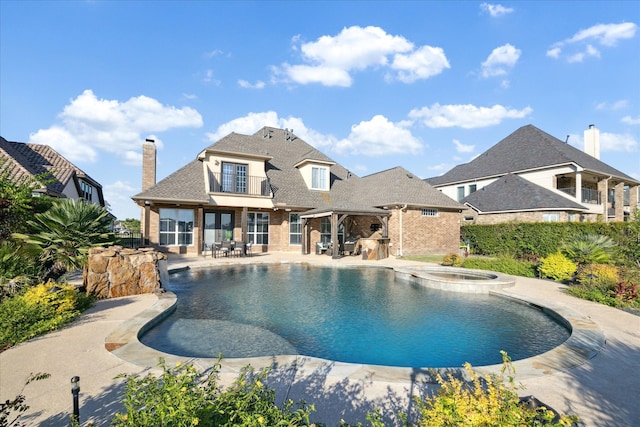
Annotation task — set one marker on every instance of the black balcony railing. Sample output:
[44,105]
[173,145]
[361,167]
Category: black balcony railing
[239,184]
[589,195]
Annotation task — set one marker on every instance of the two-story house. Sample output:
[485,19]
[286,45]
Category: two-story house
[60,178]
[277,192]
[531,176]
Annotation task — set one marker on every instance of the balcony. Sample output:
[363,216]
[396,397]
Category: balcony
[239,184]
[589,195]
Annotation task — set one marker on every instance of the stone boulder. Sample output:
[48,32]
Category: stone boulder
[116,272]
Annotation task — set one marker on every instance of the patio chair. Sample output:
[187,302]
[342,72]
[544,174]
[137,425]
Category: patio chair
[247,249]
[206,247]
[223,248]
[237,248]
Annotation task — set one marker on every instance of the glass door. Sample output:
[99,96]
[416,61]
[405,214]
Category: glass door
[218,226]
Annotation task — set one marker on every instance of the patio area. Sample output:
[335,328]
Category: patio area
[602,391]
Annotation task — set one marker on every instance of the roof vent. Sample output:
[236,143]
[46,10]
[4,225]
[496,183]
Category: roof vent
[288,134]
[266,133]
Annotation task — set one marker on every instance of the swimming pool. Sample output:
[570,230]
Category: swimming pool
[354,315]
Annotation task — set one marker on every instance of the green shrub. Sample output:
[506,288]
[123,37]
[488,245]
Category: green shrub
[602,276]
[589,249]
[182,396]
[557,267]
[483,401]
[504,265]
[41,309]
[454,260]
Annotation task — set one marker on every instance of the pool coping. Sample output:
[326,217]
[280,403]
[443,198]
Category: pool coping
[584,343]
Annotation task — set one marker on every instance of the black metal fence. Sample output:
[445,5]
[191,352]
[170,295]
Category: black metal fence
[129,240]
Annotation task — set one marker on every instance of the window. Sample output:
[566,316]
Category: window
[258,228]
[551,217]
[319,179]
[429,212]
[176,227]
[86,191]
[295,229]
[472,188]
[234,178]
[460,193]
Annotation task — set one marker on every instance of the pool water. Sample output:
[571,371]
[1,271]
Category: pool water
[356,315]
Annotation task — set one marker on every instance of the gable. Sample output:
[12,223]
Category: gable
[528,148]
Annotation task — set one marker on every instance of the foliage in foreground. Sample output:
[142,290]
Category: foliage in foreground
[12,409]
[484,401]
[39,310]
[64,234]
[182,396]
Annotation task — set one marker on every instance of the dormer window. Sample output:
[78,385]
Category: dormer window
[86,191]
[319,179]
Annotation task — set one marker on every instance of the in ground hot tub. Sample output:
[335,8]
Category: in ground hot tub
[455,279]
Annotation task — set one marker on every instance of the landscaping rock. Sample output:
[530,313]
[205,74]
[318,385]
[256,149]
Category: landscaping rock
[116,272]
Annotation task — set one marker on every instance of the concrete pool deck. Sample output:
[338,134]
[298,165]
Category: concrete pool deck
[602,391]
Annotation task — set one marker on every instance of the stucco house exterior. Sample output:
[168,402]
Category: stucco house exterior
[531,176]
[277,192]
[22,161]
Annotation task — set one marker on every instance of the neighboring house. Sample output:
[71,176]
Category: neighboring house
[531,176]
[279,193]
[58,176]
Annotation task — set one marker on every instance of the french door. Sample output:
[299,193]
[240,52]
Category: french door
[218,226]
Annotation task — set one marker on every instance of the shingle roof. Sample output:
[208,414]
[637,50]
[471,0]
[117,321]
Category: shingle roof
[285,150]
[512,193]
[23,161]
[525,149]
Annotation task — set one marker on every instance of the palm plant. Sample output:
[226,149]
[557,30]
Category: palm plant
[590,249]
[64,234]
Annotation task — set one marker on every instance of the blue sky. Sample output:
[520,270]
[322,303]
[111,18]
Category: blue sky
[373,84]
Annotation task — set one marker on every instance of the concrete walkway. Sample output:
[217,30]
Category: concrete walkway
[602,391]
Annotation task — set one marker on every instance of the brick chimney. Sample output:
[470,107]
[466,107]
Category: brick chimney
[592,141]
[148,164]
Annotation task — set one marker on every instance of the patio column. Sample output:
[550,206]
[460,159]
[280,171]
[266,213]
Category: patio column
[579,187]
[304,239]
[243,224]
[335,247]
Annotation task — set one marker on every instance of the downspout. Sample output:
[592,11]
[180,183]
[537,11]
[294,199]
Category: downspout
[401,244]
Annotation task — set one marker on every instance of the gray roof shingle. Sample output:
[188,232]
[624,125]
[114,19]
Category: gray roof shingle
[512,193]
[22,161]
[525,149]
[285,150]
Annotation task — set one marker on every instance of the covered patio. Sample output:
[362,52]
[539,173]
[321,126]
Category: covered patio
[339,215]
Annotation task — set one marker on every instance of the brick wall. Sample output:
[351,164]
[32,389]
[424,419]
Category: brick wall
[422,235]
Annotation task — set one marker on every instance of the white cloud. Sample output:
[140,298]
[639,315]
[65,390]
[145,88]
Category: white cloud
[378,137]
[465,116]
[618,142]
[617,105]
[331,60]
[89,125]
[462,148]
[630,120]
[500,60]
[117,194]
[209,78]
[495,10]
[257,85]
[420,64]
[606,35]
[252,122]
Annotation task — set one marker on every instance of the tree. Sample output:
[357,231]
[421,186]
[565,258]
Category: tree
[65,233]
[17,203]
[132,225]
